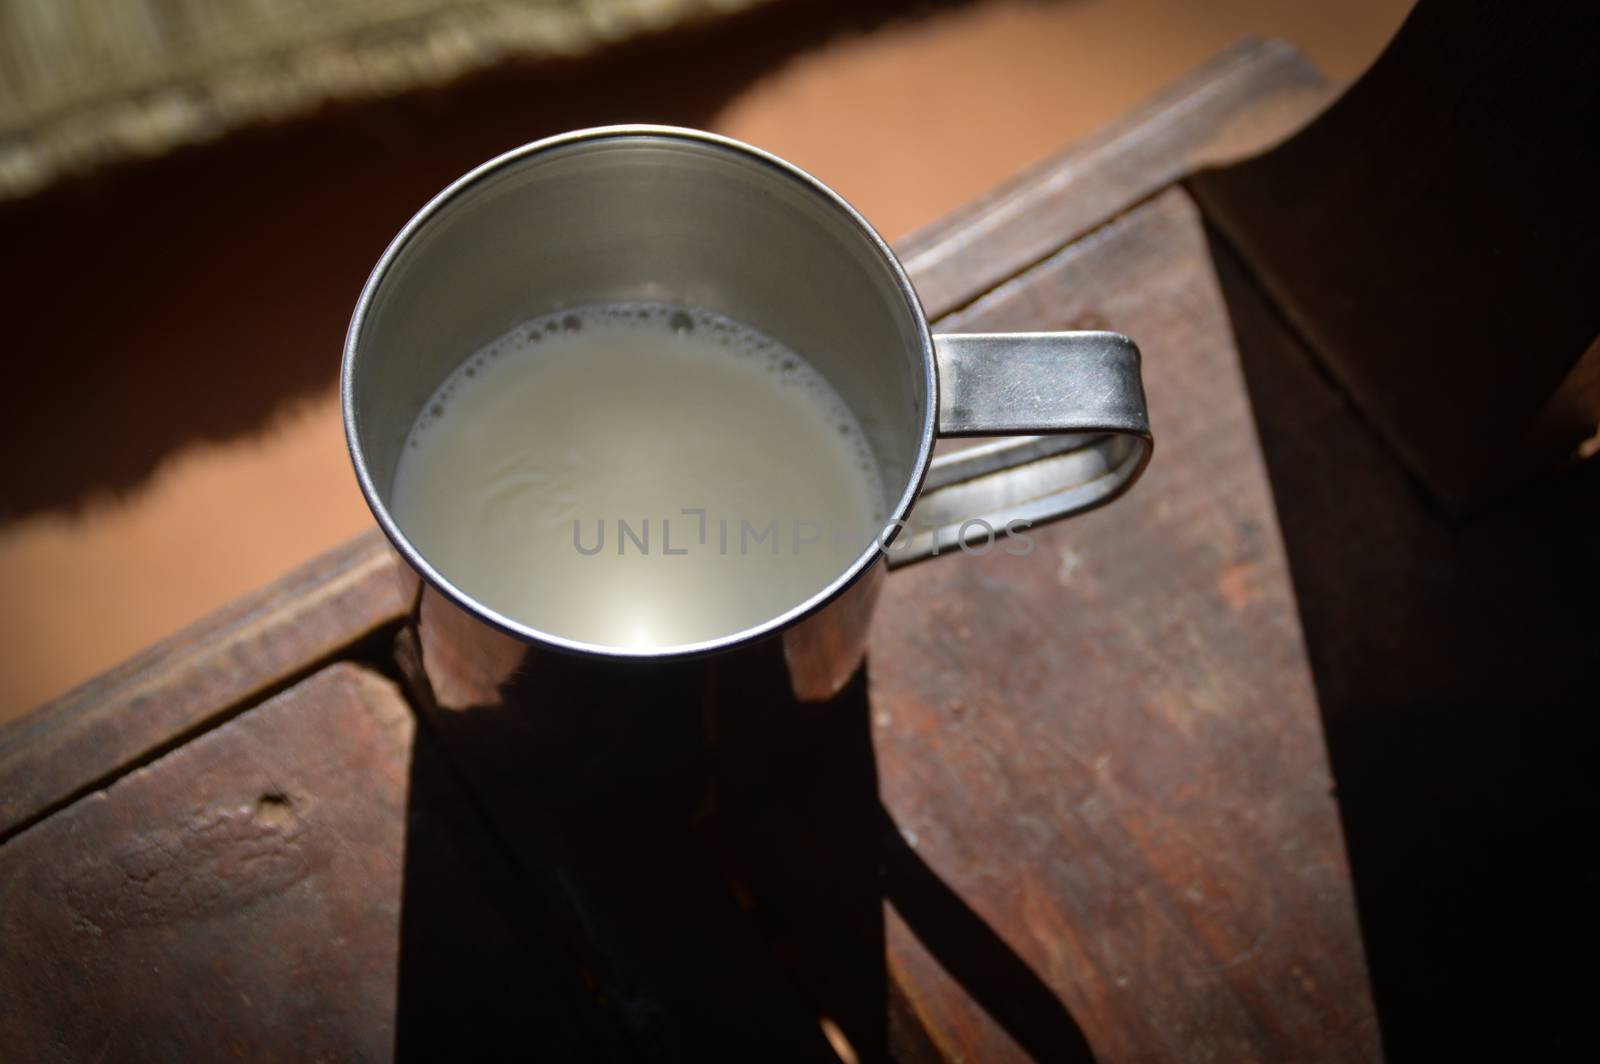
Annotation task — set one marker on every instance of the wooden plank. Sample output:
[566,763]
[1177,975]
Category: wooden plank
[187,683]
[1110,748]
[306,881]
[239,896]
[1247,98]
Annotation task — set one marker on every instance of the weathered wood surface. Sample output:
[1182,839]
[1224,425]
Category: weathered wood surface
[304,882]
[1105,822]
[1432,237]
[180,686]
[238,896]
[1154,831]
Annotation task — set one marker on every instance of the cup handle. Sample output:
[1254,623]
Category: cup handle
[1074,407]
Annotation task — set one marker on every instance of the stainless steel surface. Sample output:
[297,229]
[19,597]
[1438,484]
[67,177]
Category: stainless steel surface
[1082,386]
[650,213]
[993,384]
[470,665]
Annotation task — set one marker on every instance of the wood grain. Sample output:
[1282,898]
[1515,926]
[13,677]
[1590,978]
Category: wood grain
[307,881]
[238,896]
[1110,747]
[187,683]
[1246,99]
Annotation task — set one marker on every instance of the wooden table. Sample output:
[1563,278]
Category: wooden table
[1090,784]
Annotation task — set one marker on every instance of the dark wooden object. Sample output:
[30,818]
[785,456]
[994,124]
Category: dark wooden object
[1455,667]
[1431,238]
[1090,783]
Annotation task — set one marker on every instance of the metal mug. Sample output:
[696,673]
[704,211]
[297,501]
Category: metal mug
[659,214]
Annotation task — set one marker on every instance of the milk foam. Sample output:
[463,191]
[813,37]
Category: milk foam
[533,469]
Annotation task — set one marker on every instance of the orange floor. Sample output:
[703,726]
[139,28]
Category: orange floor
[907,114]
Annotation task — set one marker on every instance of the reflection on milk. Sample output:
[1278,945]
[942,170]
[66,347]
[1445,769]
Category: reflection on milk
[638,476]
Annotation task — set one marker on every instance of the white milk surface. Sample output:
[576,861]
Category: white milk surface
[638,476]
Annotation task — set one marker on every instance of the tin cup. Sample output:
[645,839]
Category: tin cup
[656,214]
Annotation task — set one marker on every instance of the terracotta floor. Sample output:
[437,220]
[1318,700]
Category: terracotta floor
[200,302]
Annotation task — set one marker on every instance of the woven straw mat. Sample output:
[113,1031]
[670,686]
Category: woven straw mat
[84,82]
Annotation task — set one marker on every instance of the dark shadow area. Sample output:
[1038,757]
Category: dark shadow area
[193,296]
[1010,992]
[1457,666]
[678,863]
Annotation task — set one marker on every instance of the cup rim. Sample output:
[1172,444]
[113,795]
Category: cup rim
[519,156]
